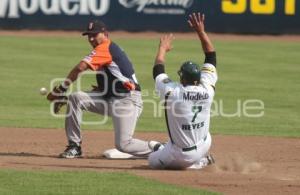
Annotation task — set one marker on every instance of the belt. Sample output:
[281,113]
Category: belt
[189,149]
[193,147]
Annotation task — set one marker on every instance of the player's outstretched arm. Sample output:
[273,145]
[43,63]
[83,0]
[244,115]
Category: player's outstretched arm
[72,76]
[196,22]
[165,46]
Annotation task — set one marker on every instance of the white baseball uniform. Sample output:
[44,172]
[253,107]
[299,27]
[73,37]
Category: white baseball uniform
[187,112]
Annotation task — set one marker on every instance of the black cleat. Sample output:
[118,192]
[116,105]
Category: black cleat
[210,159]
[154,145]
[72,151]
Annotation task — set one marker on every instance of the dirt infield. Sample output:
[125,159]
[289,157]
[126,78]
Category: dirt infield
[244,165]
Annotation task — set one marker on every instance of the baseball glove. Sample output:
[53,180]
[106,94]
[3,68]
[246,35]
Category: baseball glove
[58,104]
[57,95]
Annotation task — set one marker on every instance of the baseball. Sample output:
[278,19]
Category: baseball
[43,91]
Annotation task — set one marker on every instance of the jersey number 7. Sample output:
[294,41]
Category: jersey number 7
[196,110]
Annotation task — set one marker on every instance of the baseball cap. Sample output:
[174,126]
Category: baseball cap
[94,27]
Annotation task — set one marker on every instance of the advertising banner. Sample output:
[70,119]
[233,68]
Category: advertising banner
[229,16]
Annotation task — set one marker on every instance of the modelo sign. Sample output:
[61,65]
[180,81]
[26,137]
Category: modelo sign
[13,8]
[229,16]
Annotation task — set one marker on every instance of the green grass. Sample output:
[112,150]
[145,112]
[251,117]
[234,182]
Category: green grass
[24,182]
[266,71]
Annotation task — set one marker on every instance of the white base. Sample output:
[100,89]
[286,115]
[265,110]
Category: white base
[197,166]
[200,165]
[116,154]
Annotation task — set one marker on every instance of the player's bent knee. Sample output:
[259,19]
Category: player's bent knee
[153,161]
[155,165]
[73,97]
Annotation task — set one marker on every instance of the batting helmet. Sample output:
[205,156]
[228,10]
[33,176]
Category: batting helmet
[190,73]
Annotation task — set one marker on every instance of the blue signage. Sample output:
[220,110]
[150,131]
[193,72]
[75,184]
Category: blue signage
[229,16]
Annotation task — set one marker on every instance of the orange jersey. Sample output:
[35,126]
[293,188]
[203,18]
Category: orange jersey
[109,59]
[100,56]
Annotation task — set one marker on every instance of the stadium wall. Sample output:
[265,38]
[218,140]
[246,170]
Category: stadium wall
[224,16]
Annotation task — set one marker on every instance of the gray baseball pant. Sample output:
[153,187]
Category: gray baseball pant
[124,111]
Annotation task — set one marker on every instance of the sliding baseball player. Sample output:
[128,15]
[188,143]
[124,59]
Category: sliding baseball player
[187,105]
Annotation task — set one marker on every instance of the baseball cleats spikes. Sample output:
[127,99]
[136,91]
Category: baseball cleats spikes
[72,151]
[210,159]
[154,145]
[205,161]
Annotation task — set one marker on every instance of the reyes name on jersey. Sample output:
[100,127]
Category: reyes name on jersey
[187,108]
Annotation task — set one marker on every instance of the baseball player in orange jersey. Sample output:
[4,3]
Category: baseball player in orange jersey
[187,105]
[118,95]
